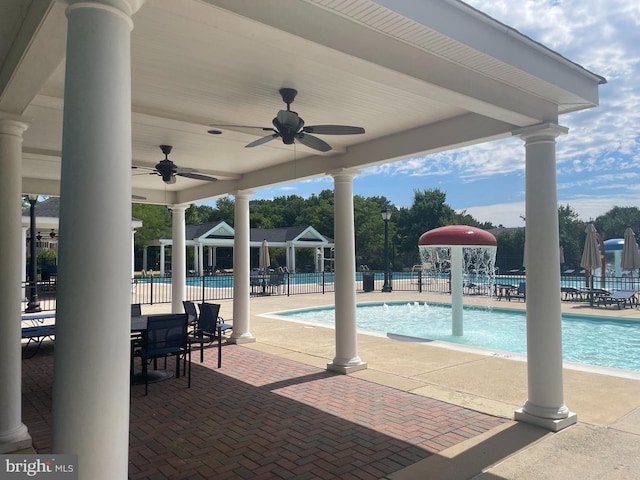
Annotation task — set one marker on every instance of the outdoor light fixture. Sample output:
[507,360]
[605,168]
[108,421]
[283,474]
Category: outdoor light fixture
[386,216]
[34,303]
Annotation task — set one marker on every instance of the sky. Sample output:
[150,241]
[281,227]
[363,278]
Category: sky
[596,162]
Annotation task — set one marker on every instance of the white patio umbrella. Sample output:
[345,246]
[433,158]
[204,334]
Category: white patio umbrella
[630,254]
[590,255]
[263,260]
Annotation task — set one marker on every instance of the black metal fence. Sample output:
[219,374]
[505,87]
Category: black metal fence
[155,290]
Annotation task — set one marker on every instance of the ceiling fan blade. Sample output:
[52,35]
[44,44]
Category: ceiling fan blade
[262,140]
[313,142]
[333,130]
[138,197]
[241,126]
[197,176]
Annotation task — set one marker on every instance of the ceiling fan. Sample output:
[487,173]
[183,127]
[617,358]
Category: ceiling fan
[169,170]
[290,127]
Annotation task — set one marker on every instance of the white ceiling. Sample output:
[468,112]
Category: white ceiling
[419,77]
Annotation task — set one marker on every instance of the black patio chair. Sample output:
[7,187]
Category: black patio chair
[210,327]
[192,312]
[165,336]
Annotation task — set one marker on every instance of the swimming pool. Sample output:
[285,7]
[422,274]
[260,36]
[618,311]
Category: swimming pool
[599,341]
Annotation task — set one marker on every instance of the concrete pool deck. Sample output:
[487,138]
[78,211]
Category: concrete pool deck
[604,444]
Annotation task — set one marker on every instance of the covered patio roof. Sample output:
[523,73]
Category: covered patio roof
[419,77]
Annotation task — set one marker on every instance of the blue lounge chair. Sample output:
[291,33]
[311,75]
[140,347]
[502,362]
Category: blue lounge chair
[621,298]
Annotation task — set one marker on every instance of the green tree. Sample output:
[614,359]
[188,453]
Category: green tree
[572,233]
[614,222]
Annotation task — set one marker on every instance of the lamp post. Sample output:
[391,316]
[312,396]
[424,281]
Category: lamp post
[34,302]
[386,216]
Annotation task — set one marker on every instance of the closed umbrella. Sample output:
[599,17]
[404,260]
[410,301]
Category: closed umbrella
[263,260]
[630,254]
[590,255]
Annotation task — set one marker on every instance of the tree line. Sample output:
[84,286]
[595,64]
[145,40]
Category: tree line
[428,210]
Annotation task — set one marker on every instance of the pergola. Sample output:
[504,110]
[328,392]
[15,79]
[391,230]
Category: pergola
[88,88]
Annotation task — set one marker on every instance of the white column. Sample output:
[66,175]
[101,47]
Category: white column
[293,258]
[545,405]
[241,267]
[162,260]
[23,268]
[13,433]
[200,259]
[91,395]
[288,258]
[178,259]
[145,258]
[133,252]
[211,257]
[346,359]
[457,285]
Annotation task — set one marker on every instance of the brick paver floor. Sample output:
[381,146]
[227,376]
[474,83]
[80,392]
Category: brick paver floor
[261,416]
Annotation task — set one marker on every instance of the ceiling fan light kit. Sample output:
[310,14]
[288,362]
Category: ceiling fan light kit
[290,127]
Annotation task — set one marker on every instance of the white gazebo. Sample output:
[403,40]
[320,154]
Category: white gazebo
[209,236]
[90,87]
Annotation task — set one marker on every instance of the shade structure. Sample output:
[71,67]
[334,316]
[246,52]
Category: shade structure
[458,235]
[630,255]
[590,255]
[263,260]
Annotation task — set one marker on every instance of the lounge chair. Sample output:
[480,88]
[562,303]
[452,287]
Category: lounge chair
[621,298]
[570,293]
[520,293]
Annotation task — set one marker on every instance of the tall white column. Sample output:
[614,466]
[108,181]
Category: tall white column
[241,267]
[91,374]
[200,259]
[545,406]
[23,268]
[293,258]
[346,359]
[133,252]
[145,258]
[13,433]
[178,259]
[162,260]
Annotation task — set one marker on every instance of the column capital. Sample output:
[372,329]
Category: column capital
[129,7]
[545,130]
[178,207]
[13,124]
[344,173]
[243,193]
[122,8]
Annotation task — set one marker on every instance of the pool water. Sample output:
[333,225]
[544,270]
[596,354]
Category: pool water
[600,341]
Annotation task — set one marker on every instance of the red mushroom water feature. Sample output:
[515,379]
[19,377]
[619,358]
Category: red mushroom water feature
[454,244]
